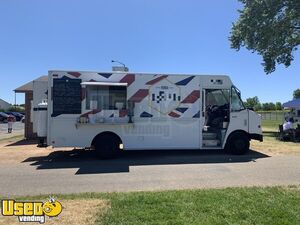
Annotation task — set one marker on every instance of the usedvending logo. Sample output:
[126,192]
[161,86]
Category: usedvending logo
[31,211]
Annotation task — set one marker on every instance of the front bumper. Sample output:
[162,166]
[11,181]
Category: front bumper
[258,137]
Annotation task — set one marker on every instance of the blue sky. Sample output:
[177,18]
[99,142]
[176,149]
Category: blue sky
[175,36]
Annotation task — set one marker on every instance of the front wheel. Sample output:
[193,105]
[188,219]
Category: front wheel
[238,144]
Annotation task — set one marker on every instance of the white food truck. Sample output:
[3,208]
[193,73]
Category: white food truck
[115,111]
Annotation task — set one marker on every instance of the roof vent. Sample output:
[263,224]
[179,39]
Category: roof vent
[120,68]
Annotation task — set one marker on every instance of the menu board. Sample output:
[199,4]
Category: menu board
[66,96]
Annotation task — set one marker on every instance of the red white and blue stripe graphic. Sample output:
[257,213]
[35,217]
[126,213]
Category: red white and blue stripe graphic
[192,97]
[138,90]
[178,112]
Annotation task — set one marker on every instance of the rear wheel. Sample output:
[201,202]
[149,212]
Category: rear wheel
[238,144]
[107,146]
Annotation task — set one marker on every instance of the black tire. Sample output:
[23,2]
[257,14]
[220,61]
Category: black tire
[238,144]
[107,146]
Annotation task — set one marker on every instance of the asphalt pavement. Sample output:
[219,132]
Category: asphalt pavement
[78,171]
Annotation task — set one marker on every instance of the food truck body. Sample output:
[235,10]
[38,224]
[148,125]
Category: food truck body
[115,111]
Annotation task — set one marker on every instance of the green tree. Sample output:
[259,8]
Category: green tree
[278,106]
[16,109]
[269,27]
[296,93]
[265,106]
[272,106]
[251,102]
[268,106]
[257,107]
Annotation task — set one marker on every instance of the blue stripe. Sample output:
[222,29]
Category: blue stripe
[181,109]
[106,75]
[185,81]
[197,115]
[145,114]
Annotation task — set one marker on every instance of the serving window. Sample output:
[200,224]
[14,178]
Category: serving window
[106,97]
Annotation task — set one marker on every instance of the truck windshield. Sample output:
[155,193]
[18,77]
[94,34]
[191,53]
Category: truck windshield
[236,102]
[217,97]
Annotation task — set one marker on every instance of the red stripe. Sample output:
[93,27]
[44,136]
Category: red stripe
[192,97]
[91,112]
[173,114]
[75,74]
[156,80]
[122,113]
[128,78]
[139,95]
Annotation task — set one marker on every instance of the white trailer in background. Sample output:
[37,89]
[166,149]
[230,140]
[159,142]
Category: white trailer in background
[139,111]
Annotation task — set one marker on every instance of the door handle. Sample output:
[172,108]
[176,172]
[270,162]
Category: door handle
[233,116]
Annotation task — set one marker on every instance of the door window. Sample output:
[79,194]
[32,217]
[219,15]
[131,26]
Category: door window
[216,107]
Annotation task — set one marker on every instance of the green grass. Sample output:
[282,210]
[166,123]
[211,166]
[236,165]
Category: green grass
[271,124]
[255,205]
[271,119]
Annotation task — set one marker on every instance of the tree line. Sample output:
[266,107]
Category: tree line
[268,106]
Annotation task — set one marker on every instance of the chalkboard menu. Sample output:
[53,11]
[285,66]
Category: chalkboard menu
[66,96]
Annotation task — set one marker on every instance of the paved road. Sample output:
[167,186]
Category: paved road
[77,171]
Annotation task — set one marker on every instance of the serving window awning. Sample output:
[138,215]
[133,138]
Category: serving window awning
[92,83]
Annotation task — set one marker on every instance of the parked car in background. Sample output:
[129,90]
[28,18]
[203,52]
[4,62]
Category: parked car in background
[3,117]
[17,115]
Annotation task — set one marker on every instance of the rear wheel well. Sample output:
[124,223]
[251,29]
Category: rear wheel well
[106,133]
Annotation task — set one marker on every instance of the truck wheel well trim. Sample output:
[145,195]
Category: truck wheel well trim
[106,133]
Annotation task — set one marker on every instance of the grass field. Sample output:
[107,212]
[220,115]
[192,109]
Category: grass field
[223,206]
[270,125]
[271,145]
[271,119]
[254,205]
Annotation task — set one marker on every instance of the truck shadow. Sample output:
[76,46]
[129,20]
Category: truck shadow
[87,162]
[22,142]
